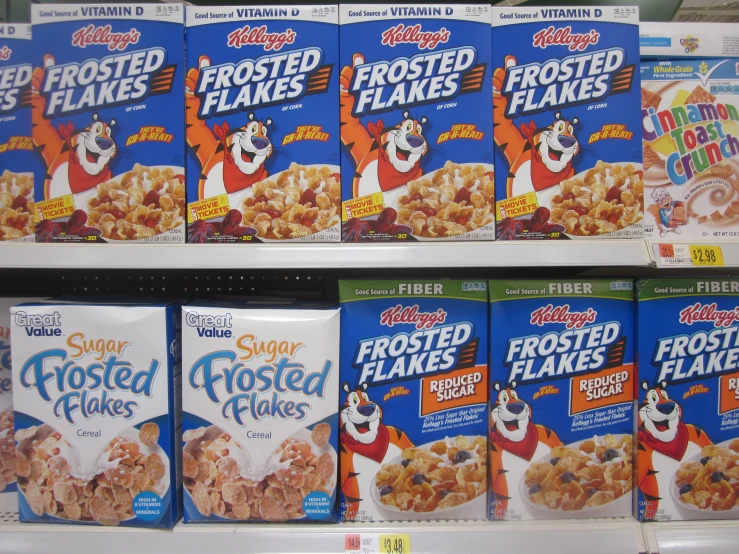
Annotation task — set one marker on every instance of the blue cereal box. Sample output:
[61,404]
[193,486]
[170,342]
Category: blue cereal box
[413,409]
[96,393]
[416,123]
[260,413]
[19,167]
[688,455]
[562,399]
[108,121]
[262,124]
[567,125]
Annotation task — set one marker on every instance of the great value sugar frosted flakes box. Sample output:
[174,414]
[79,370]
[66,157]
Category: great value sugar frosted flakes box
[260,401]
[690,130]
[262,124]
[566,118]
[108,122]
[416,122]
[562,399]
[19,167]
[688,455]
[96,391]
[414,400]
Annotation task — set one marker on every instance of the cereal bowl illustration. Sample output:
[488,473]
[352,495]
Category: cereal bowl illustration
[589,478]
[55,480]
[437,480]
[7,449]
[222,480]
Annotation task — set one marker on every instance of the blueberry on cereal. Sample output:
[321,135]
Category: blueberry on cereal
[592,491]
[567,477]
[610,454]
[386,489]
[405,462]
[419,479]
[717,476]
[705,460]
[533,489]
[554,461]
[462,456]
[686,488]
[444,493]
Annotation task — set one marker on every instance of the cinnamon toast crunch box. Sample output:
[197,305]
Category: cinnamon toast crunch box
[96,394]
[562,399]
[262,124]
[416,123]
[414,400]
[567,126]
[688,455]
[690,130]
[19,167]
[108,121]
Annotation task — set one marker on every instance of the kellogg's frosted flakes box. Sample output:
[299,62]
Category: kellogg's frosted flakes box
[566,118]
[96,390]
[414,400]
[108,120]
[690,130]
[260,401]
[18,164]
[688,455]
[416,123]
[262,124]
[562,399]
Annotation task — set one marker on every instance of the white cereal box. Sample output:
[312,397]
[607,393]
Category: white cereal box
[96,421]
[687,40]
[260,413]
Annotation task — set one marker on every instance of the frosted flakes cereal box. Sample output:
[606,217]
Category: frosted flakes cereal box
[690,130]
[414,400]
[566,118]
[260,402]
[19,167]
[97,426]
[108,120]
[688,454]
[562,399]
[416,123]
[262,124]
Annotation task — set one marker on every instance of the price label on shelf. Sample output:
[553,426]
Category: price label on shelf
[366,543]
[694,255]
[703,255]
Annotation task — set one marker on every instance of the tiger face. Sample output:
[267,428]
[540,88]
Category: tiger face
[510,415]
[95,146]
[558,144]
[360,417]
[659,414]
[405,144]
[249,145]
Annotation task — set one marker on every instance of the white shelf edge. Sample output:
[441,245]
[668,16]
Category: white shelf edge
[686,537]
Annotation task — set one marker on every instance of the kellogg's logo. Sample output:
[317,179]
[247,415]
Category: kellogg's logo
[5,53]
[411,315]
[562,314]
[565,37]
[400,34]
[260,36]
[93,35]
[698,313]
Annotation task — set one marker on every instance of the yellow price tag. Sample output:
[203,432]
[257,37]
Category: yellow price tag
[395,544]
[703,255]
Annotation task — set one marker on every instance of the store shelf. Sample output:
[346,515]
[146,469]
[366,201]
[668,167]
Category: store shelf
[688,537]
[312,256]
[618,536]
[730,253]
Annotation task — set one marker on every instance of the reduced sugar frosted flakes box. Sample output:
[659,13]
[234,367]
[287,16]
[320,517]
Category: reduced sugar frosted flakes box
[260,402]
[96,391]
[414,402]
[562,399]
[108,121]
[690,130]
[688,455]
[416,123]
[566,118]
[19,167]
[262,124]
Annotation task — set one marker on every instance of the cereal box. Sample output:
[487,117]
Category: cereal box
[260,403]
[687,39]
[19,166]
[262,124]
[414,400]
[690,129]
[108,120]
[688,454]
[416,122]
[96,391]
[562,399]
[566,117]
